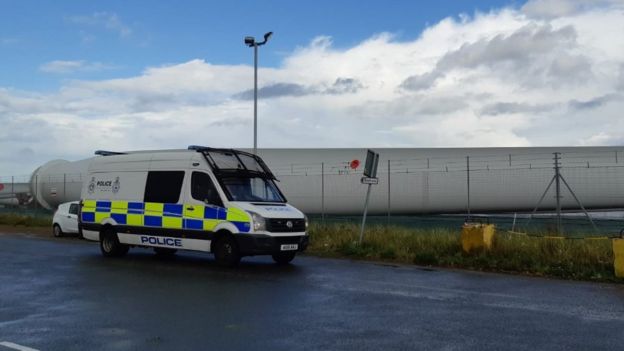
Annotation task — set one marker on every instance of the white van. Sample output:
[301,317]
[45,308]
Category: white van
[65,219]
[214,200]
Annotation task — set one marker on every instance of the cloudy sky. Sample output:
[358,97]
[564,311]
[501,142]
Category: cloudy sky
[81,76]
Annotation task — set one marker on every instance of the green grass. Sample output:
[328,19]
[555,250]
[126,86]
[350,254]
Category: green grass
[569,259]
[25,220]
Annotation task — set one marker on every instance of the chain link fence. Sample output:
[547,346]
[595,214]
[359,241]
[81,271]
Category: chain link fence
[504,189]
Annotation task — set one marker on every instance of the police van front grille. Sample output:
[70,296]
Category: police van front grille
[280,225]
[288,240]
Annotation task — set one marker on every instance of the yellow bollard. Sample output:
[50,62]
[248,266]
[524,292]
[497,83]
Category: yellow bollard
[618,254]
[477,236]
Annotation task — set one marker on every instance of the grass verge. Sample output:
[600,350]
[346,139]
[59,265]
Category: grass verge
[25,220]
[568,259]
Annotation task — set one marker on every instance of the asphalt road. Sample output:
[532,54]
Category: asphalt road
[60,294]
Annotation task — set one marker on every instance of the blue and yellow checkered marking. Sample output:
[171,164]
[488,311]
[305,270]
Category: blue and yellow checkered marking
[159,215]
[136,207]
[193,224]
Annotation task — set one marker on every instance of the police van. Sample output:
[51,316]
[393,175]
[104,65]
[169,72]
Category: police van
[221,201]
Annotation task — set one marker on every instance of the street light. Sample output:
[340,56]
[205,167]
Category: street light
[251,42]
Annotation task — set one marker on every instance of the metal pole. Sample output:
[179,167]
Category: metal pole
[509,160]
[558,192]
[388,191]
[580,204]
[616,157]
[468,183]
[364,217]
[255,151]
[12,184]
[36,190]
[513,225]
[323,191]
[540,200]
[64,186]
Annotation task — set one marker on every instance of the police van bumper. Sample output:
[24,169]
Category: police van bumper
[263,244]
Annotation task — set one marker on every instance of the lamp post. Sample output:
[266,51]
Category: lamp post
[251,42]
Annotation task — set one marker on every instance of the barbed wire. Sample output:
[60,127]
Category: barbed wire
[482,162]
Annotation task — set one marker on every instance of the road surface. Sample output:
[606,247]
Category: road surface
[60,294]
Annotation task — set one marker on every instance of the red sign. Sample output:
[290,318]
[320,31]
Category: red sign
[355,164]
[1,186]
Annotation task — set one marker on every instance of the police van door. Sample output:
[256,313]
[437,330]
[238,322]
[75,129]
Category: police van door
[203,208]
[163,222]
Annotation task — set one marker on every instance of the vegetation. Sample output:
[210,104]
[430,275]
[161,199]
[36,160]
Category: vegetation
[25,220]
[569,259]
[589,259]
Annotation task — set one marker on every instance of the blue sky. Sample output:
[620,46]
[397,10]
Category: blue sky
[152,33]
[77,76]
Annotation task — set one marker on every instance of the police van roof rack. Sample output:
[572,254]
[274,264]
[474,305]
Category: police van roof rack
[206,148]
[200,148]
[108,153]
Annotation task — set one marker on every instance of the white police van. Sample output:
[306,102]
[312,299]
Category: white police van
[222,201]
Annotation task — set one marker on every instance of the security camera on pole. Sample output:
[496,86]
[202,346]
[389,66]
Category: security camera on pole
[370,178]
[251,42]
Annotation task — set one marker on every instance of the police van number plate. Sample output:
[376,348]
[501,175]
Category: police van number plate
[289,247]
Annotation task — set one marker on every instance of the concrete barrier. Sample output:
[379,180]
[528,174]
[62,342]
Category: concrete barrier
[618,254]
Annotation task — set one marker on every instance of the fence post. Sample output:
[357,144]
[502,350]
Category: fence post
[12,184]
[36,190]
[558,192]
[468,184]
[323,191]
[388,191]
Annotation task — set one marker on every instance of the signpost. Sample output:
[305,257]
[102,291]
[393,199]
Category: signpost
[369,181]
[370,178]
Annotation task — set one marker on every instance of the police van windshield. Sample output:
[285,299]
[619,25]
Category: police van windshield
[252,189]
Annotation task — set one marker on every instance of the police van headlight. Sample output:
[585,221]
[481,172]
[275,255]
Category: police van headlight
[258,222]
[307,222]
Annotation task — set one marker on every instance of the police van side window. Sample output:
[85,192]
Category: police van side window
[163,186]
[202,189]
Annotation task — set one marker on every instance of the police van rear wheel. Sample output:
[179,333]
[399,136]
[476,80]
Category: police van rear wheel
[226,252]
[110,245]
[284,257]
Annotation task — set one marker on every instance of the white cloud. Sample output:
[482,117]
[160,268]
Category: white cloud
[107,20]
[604,138]
[559,8]
[511,77]
[60,66]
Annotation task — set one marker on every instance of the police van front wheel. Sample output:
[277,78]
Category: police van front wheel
[226,252]
[110,245]
[284,257]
